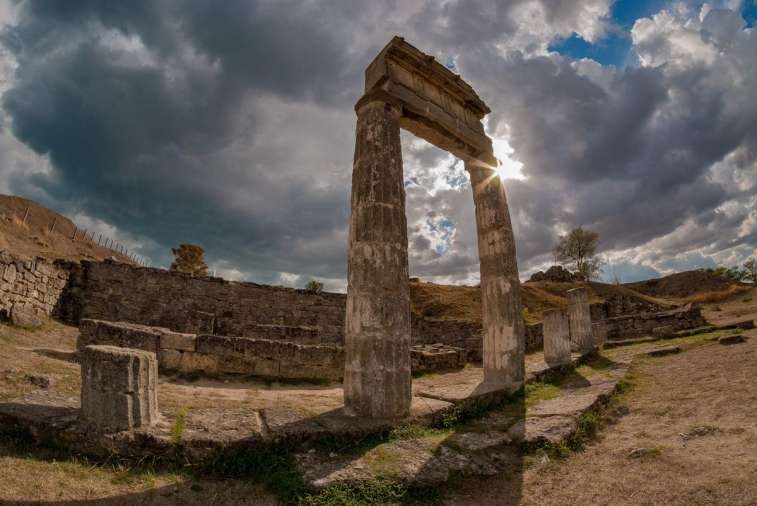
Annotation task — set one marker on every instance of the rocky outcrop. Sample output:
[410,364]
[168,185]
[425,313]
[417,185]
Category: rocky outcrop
[555,274]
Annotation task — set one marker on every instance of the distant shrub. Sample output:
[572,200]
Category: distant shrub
[314,286]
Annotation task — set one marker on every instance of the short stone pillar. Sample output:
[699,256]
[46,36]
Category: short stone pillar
[599,333]
[118,388]
[579,315]
[556,330]
[377,380]
[504,329]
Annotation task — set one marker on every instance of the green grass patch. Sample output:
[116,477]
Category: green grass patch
[177,429]
[461,414]
[588,423]
[537,392]
[371,493]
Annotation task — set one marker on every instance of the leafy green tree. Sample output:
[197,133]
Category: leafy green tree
[188,258]
[578,250]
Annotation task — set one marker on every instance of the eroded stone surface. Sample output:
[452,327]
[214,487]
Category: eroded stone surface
[377,381]
[24,315]
[734,339]
[579,314]
[504,332]
[118,388]
[556,337]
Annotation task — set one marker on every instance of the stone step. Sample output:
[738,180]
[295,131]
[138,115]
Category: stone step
[629,342]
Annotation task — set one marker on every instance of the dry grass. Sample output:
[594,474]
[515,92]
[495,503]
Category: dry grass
[33,237]
[449,302]
[718,296]
[706,394]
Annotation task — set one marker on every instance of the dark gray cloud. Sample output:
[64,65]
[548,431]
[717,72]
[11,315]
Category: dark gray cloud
[230,124]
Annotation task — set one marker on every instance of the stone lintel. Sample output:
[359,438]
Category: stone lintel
[437,105]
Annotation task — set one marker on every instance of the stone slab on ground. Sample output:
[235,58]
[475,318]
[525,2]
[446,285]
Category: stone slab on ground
[664,350]
[467,386]
[742,324]
[734,339]
[630,342]
[479,448]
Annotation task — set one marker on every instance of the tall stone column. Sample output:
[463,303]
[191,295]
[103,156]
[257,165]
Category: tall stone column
[579,315]
[504,332]
[556,331]
[377,381]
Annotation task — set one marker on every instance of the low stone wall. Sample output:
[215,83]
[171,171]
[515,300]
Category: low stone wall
[637,325]
[218,354]
[211,354]
[436,357]
[156,297]
[32,286]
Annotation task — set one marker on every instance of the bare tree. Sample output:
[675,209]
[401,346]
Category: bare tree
[578,250]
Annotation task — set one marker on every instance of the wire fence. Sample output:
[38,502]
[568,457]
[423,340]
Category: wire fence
[88,236]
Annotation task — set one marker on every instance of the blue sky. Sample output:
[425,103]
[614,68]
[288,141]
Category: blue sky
[615,48]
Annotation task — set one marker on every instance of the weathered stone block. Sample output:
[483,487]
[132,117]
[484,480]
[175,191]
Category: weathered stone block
[24,315]
[170,340]
[663,332]
[118,388]
[436,357]
[169,359]
[193,361]
[125,335]
[599,333]
[556,337]
[579,316]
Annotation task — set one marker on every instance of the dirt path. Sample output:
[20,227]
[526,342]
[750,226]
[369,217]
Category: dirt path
[707,394]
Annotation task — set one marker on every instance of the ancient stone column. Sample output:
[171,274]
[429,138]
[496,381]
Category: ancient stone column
[556,330]
[377,381]
[504,331]
[118,388]
[599,333]
[580,320]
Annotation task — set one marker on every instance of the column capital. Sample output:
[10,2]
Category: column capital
[378,98]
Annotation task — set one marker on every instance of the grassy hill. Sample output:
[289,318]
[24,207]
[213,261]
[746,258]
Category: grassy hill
[33,237]
[464,302]
[691,286]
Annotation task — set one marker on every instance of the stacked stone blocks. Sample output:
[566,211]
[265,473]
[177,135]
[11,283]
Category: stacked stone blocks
[30,288]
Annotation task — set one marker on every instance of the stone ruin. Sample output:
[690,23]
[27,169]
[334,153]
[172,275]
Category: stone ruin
[132,322]
[405,88]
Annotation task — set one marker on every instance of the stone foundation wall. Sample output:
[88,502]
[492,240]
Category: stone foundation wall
[436,357]
[156,297]
[211,354]
[643,324]
[218,354]
[35,284]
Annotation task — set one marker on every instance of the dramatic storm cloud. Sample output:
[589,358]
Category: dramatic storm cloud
[231,125]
